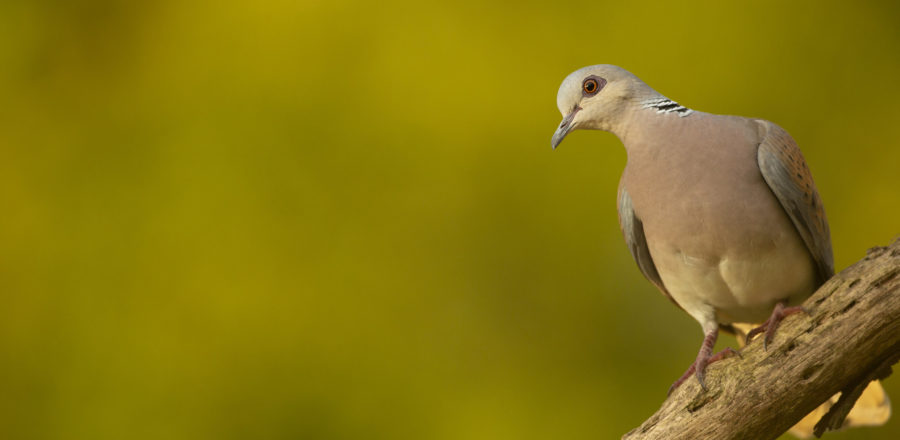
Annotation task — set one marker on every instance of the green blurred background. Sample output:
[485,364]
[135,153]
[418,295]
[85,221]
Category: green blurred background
[343,220]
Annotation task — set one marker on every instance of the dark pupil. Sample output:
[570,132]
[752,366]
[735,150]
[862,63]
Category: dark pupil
[590,85]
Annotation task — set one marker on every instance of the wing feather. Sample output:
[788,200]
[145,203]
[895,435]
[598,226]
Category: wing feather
[785,171]
[633,230]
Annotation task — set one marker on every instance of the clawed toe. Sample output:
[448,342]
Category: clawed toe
[704,358]
[771,324]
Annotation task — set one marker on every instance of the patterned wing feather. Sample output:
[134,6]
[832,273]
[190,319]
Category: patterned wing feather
[786,173]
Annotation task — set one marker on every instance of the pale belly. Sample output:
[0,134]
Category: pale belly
[723,245]
[739,285]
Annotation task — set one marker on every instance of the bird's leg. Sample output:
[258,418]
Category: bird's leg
[704,358]
[773,322]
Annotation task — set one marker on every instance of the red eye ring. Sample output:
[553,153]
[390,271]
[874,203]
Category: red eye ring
[592,85]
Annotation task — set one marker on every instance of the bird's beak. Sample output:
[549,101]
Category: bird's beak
[564,127]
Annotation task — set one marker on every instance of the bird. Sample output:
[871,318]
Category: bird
[719,212]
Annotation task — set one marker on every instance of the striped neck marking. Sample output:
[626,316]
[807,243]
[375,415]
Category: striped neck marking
[666,105]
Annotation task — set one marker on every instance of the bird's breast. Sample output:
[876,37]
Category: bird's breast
[716,232]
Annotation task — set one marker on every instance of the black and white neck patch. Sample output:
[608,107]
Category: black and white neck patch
[666,105]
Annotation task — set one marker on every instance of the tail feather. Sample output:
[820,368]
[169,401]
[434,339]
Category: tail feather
[873,408]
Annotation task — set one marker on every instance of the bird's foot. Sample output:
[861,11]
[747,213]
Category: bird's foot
[704,358]
[773,322]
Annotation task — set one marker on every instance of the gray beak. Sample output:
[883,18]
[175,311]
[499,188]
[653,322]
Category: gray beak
[564,127]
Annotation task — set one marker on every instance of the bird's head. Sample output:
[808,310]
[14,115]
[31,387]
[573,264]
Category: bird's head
[597,98]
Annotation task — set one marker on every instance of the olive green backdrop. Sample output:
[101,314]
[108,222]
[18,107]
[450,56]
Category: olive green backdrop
[343,220]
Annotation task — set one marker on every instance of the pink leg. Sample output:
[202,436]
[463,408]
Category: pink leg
[773,322]
[704,358]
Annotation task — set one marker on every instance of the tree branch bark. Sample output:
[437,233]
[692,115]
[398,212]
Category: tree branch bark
[850,337]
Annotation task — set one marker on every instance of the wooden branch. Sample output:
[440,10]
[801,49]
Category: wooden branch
[851,336]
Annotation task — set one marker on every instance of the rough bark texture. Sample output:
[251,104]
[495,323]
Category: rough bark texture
[850,336]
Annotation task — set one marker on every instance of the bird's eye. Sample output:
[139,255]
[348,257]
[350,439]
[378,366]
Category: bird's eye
[592,85]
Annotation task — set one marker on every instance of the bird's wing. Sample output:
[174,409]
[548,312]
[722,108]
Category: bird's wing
[787,175]
[633,230]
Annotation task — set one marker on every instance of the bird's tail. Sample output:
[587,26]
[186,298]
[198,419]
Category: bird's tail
[873,408]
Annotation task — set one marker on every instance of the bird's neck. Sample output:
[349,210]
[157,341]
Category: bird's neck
[652,111]
[660,105]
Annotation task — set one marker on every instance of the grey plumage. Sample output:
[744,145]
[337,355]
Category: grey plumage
[784,170]
[719,212]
